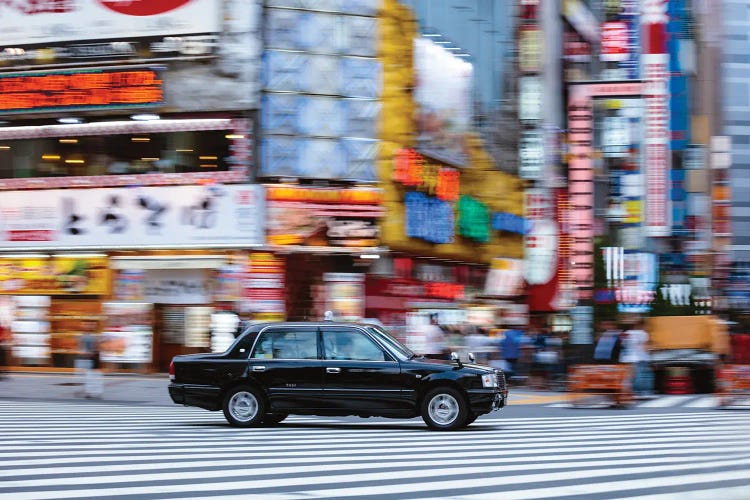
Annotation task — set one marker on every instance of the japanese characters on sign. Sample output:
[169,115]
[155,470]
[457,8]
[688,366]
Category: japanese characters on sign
[412,169]
[615,41]
[655,64]
[428,218]
[200,216]
[473,219]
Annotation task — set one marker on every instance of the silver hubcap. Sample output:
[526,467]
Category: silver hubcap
[243,406]
[443,409]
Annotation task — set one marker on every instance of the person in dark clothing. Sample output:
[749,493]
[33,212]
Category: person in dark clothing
[608,347]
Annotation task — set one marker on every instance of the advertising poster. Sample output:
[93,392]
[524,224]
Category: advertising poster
[443,96]
[264,289]
[55,276]
[345,295]
[133,217]
[323,217]
[127,335]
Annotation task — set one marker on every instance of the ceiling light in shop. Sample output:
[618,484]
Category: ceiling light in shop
[208,166]
[50,157]
[373,256]
[76,162]
[234,136]
[183,150]
[4,148]
[145,117]
[69,120]
[150,159]
[68,141]
[140,139]
[208,158]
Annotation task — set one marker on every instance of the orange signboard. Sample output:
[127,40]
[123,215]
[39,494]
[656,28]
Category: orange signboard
[80,89]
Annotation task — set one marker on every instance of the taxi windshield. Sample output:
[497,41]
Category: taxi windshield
[391,342]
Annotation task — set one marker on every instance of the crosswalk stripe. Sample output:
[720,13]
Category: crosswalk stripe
[109,450]
[388,478]
[412,459]
[704,402]
[619,486]
[665,401]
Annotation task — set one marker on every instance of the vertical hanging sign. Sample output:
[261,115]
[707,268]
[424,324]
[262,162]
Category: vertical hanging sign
[655,71]
[581,190]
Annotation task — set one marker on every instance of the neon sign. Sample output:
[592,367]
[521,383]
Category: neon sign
[23,92]
[412,169]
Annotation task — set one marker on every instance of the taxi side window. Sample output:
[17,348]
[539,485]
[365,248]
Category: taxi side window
[348,344]
[287,344]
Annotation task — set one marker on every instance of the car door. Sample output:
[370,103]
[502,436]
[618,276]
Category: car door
[286,363]
[359,375]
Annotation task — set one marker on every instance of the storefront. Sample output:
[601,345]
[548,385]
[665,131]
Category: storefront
[325,239]
[167,257]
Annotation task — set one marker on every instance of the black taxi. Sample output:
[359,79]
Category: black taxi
[325,368]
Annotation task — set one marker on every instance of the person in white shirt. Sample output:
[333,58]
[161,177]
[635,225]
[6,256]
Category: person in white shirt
[434,339]
[635,351]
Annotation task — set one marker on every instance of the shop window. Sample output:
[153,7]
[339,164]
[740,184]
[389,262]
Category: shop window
[137,153]
[287,344]
[347,344]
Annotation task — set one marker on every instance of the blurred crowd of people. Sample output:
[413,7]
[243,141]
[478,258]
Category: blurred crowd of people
[538,356]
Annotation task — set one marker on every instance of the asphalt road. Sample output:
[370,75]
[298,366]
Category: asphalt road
[83,449]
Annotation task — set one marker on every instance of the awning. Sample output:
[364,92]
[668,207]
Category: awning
[169,262]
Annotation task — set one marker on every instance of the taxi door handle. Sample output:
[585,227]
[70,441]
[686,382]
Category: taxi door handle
[259,368]
[333,370]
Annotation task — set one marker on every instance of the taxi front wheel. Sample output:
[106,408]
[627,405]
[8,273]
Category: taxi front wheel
[445,409]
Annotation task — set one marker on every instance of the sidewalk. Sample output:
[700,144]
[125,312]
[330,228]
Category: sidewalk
[151,390]
[118,388]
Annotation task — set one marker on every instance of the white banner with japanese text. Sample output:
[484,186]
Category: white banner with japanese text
[136,217]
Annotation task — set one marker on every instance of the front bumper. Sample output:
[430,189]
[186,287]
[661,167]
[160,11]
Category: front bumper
[484,401]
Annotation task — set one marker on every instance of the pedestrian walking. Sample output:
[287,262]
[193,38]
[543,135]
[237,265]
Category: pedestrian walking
[434,338]
[88,362]
[635,351]
[609,345]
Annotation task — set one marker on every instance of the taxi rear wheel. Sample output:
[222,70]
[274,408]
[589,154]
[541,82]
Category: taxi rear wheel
[244,406]
[445,409]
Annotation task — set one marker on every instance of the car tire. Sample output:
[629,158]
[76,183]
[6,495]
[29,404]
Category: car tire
[445,409]
[244,406]
[274,418]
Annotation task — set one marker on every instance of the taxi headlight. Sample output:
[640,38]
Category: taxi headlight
[489,380]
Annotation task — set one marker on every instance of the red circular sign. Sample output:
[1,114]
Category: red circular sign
[142,7]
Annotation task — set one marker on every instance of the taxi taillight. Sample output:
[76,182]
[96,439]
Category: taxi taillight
[171,371]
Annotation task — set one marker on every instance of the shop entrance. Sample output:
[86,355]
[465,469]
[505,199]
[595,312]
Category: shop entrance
[180,329]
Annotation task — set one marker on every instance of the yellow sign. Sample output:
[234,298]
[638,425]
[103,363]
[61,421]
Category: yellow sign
[55,276]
